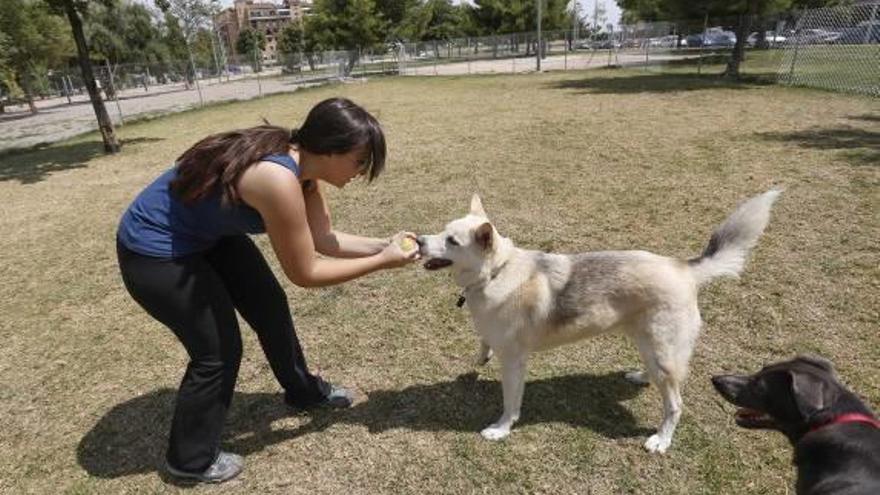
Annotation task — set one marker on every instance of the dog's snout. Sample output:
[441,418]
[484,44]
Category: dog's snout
[420,240]
[729,386]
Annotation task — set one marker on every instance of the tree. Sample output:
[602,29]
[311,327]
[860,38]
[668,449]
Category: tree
[36,41]
[351,25]
[677,10]
[189,16]
[72,10]
[393,13]
[7,78]
[252,43]
[434,20]
[517,16]
[122,33]
[291,45]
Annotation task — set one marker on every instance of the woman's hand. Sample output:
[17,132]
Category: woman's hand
[401,250]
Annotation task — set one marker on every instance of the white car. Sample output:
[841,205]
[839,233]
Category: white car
[771,37]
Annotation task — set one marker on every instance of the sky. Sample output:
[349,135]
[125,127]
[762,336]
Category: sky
[611,8]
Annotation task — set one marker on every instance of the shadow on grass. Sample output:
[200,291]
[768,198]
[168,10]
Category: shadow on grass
[867,117]
[35,164]
[654,83]
[131,438]
[860,146]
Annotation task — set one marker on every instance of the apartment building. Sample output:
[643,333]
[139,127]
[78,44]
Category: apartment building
[266,17]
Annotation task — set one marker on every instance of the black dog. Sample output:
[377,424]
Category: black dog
[835,435]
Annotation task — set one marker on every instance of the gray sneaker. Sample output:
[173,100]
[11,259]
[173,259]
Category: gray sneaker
[338,397]
[332,396]
[225,467]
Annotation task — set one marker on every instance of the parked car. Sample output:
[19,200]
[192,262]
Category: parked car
[865,32]
[668,41]
[816,36]
[606,44]
[772,38]
[712,39]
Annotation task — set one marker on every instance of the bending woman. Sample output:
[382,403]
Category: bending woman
[186,258]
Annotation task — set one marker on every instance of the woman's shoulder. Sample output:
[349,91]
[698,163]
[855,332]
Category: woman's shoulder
[283,159]
[266,180]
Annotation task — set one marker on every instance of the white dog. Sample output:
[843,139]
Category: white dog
[523,301]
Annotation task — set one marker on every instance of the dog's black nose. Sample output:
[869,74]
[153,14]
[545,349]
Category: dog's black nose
[420,240]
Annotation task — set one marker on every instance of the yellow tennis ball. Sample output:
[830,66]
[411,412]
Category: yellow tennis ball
[407,244]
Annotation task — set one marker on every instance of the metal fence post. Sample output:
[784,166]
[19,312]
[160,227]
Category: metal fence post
[257,67]
[192,66]
[401,53]
[361,61]
[797,43]
[115,93]
[68,87]
[565,50]
[702,44]
[872,27]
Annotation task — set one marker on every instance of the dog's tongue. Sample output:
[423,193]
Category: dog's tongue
[746,413]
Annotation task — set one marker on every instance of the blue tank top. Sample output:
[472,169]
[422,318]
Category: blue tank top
[158,224]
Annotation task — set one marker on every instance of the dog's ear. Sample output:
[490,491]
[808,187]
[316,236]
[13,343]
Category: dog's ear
[810,394]
[477,206]
[484,236]
[819,362]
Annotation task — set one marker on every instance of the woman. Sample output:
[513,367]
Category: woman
[185,257]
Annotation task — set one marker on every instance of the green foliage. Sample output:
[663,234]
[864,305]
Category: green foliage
[516,16]
[343,25]
[36,39]
[434,20]
[290,40]
[681,10]
[394,15]
[250,41]
[8,86]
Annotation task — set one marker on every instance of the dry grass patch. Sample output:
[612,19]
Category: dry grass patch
[564,162]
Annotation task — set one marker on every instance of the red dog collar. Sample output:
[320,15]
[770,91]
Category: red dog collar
[848,418]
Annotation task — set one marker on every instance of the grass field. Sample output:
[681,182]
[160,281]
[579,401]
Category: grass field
[564,162]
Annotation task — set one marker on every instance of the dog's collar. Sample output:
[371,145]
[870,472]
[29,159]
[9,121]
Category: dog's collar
[847,418]
[495,272]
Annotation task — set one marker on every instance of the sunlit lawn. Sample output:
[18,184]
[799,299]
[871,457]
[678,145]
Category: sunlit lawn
[566,162]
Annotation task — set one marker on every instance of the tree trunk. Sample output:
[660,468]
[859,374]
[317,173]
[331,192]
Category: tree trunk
[28,94]
[111,144]
[742,32]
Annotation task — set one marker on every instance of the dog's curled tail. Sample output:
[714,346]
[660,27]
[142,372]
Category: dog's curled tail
[730,243]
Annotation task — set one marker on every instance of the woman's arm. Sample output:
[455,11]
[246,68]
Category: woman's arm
[276,194]
[331,242]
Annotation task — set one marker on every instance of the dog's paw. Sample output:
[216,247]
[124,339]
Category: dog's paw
[637,377]
[657,444]
[482,358]
[495,433]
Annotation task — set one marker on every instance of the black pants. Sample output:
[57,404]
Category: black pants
[196,297]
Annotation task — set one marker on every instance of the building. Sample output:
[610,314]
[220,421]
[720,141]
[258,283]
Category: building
[266,17]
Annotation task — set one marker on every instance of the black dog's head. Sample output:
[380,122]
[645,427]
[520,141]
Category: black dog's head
[784,396]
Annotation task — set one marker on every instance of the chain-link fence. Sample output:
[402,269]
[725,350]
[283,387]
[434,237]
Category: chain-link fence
[835,48]
[698,45]
[828,48]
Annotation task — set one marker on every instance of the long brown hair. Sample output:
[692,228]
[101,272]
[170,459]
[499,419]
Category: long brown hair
[335,125]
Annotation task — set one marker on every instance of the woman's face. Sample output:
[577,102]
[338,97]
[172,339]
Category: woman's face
[342,168]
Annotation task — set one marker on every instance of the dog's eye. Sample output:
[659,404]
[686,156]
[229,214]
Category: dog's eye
[451,241]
